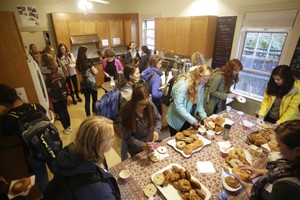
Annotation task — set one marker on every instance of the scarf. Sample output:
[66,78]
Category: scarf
[277,169]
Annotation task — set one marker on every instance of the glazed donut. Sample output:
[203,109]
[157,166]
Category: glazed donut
[188,149]
[179,136]
[232,182]
[180,145]
[184,185]
[234,154]
[235,162]
[174,177]
[21,185]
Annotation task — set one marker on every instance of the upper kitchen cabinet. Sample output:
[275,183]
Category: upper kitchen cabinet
[169,35]
[62,36]
[116,32]
[103,32]
[182,36]
[159,30]
[202,35]
[131,29]
[82,27]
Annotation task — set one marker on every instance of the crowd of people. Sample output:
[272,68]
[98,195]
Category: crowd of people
[199,93]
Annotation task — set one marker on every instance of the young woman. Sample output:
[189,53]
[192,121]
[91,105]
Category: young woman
[110,65]
[140,122]
[197,59]
[68,61]
[281,97]
[152,75]
[217,89]
[187,94]
[146,53]
[281,178]
[85,156]
[131,76]
[88,82]
[132,56]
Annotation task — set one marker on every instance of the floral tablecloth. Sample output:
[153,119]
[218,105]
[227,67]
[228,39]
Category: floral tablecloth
[141,169]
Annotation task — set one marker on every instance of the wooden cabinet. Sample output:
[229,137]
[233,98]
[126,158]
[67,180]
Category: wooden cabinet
[89,27]
[182,36]
[116,32]
[75,27]
[131,30]
[103,31]
[63,36]
[185,35]
[202,37]
[81,27]
[159,30]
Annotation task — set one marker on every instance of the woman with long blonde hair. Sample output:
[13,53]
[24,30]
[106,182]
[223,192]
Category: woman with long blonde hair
[187,94]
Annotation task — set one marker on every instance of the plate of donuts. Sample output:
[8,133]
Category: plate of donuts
[237,156]
[187,145]
[229,182]
[177,183]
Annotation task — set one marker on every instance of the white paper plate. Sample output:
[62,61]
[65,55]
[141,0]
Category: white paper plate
[260,122]
[241,99]
[170,192]
[162,150]
[205,141]
[226,186]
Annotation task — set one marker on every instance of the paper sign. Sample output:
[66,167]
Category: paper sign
[105,42]
[116,41]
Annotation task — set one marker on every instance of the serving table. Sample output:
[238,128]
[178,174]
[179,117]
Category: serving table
[141,169]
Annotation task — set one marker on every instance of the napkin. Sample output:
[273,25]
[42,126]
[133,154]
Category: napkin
[10,195]
[224,144]
[160,156]
[248,123]
[205,167]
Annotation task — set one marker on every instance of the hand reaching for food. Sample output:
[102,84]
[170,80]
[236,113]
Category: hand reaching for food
[255,172]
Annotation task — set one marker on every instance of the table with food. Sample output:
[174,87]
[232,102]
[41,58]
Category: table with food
[198,164]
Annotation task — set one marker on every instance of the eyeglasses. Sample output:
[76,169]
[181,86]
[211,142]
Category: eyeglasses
[143,104]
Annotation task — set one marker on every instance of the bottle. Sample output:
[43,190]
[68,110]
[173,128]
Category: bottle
[222,195]
[226,131]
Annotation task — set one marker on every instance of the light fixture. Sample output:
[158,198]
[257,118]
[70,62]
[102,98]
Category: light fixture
[85,5]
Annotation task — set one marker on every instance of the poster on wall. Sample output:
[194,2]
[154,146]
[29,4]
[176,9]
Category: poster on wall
[28,15]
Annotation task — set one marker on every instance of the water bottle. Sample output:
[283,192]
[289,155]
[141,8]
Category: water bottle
[222,195]
[226,131]
[112,82]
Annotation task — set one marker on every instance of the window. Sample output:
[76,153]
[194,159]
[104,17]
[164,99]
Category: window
[148,33]
[260,54]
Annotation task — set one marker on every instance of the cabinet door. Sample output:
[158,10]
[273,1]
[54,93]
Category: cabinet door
[100,75]
[169,35]
[103,31]
[89,27]
[62,33]
[131,31]
[116,32]
[182,36]
[75,27]
[159,29]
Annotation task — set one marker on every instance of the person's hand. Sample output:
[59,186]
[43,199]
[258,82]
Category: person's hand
[255,172]
[207,120]
[148,146]
[155,136]
[246,186]
[231,95]
[196,123]
[261,118]
[106,74]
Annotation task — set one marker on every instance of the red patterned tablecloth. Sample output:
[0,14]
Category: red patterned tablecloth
[141,170]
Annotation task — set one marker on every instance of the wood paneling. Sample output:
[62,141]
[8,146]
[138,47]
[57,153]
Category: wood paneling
[182,36]
[75,27]
[89,27]
[169,44]
[116,31]
[159,30]
[103,31]
[64,36]
[131,31]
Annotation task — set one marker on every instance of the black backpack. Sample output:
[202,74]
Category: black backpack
[167,96]
[39,134]
[58,85]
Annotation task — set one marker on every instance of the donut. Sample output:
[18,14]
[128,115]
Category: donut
[150,190]
[235,162]
[193,195]
[184,185]
[179,136]
[232,182]
[175,169]
[21,185]
[180,145]
[176,185]
[159,179]
[188,149]
[186,133]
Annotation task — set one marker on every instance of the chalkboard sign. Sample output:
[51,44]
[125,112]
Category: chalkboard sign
[223,40]
[295,63]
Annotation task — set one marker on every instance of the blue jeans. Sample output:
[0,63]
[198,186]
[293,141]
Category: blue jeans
[61,108]
[87,105]
[38,168]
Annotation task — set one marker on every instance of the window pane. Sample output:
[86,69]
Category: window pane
[150,33]
[150,24]
[150,41]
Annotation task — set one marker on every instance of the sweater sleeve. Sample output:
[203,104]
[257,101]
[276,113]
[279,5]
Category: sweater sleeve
[72,61]
[103,65]
[264,108]
[118,64]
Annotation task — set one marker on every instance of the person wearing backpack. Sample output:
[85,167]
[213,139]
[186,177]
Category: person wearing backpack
[15,111]
[88,84]
[141,123]
[57,89]
[217,89]
[281,178]
[152,76]
[81,170]
[187,94]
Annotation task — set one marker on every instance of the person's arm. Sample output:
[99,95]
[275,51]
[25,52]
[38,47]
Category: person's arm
[119,65]
[292,108]
[129,138]
[265,105]
[72,61]
[214,87]
[201,110]
[157,123]
[283,188]
[155,91]
[127,58]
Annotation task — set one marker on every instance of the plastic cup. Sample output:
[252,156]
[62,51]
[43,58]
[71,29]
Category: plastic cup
[224,152]
[202,131]
[124,175]
[228,109]
[210,134]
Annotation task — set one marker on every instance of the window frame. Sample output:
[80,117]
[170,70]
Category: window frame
[144,32]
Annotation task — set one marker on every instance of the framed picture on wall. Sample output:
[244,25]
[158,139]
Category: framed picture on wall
[28,15]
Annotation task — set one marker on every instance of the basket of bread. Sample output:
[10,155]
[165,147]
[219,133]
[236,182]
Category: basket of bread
[188,142]
[237,157]
[175,182]
[258,138]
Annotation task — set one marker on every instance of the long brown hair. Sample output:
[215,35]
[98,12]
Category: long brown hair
[82,61]
[128,70]
[129,115]
[228,69]
[92,138]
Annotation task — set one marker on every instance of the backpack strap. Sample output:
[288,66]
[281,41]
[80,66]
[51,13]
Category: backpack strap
[152,75]
[291,180]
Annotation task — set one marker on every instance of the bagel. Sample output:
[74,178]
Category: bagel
[219,120]
[21,185]
[235,162]
[159,179]
[194,136]
[243,174]
[180,145]
[232,182]
[188,140]
[150,190]
[210,125]
[186,133]
[192,131]
[273,145]
[179,136]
